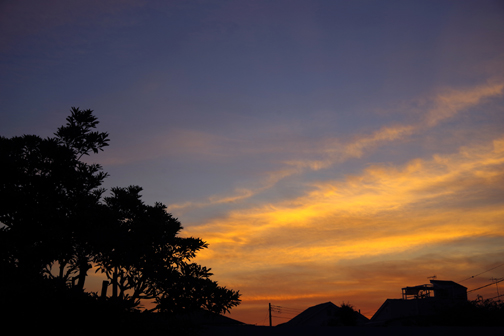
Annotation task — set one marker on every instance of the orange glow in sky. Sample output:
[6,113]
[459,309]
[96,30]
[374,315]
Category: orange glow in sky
[326,150]
[424,217]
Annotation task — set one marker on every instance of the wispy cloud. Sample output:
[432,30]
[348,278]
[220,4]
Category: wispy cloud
[449,206]
[444,105]
[450,102]
[379,198]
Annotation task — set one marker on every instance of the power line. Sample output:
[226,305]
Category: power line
[285,307]
[264,320]
[288,310]
[471,277]
[490,284]
[280,310]
[498,296]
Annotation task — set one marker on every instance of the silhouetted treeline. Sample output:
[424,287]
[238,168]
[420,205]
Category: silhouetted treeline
[472,313]
[56,225]
[476,313]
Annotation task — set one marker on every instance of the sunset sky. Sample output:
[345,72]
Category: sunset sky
[326,150]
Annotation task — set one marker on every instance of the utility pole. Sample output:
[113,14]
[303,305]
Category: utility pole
[270,315]
[495,280]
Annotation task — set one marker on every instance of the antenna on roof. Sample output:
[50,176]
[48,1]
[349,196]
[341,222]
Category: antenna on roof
[432,277]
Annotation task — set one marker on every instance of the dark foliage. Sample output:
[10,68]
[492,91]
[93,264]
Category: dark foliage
[48,199]
[143,258]
[472,313]
[348,315]
[477,313]
[54,224]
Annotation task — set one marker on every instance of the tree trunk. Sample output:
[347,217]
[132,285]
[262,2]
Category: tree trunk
[114,283]
[84,266]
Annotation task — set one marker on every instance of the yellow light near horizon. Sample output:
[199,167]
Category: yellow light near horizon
[379,212]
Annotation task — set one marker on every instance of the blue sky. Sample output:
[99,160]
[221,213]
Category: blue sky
[333,150]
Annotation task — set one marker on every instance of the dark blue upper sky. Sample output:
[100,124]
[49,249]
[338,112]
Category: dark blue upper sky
[306,133]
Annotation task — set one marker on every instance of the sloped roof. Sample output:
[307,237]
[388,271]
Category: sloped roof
[319,314]
[309,313]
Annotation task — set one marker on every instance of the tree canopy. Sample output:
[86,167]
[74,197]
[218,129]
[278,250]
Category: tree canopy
[55,225]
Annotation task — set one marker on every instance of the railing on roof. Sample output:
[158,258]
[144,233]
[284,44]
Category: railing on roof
[418,292]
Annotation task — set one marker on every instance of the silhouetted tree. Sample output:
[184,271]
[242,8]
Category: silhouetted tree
[143,258]
[192,289]
[54,224]
[478,312]
[47,196]
[348,315]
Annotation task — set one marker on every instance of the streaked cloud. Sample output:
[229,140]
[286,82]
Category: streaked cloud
[379,191]
[383,213]
[323,155]
[450,102]
[332,151]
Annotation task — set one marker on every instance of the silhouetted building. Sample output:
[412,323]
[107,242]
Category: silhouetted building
[327,314]
[420,301]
